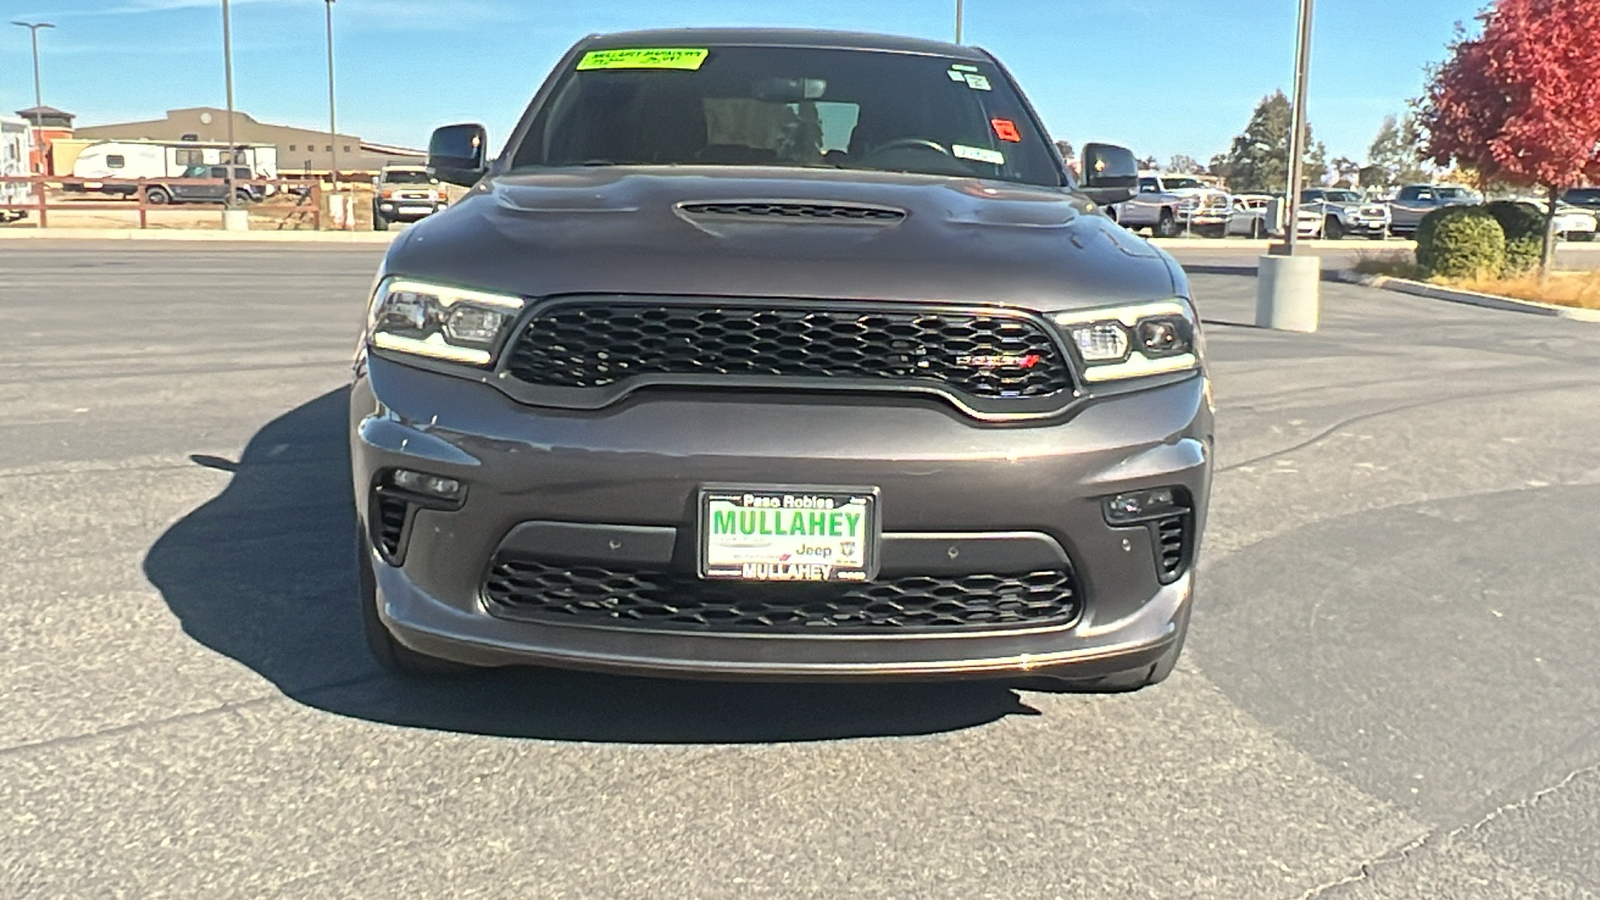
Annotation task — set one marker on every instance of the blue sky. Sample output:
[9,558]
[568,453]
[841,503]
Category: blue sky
[1161,76]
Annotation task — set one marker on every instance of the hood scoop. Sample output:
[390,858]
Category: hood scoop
[764,211]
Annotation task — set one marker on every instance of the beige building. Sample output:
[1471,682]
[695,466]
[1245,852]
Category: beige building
[300,150]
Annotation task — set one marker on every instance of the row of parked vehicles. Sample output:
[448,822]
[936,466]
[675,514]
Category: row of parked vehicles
[1169,205]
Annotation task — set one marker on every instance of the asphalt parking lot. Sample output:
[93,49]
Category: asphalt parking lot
[1390,688]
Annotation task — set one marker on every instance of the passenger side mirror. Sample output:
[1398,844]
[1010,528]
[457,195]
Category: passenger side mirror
[457,154]
[1110,173]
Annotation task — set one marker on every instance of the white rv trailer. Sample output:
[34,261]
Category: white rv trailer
[155,160]
[16,140]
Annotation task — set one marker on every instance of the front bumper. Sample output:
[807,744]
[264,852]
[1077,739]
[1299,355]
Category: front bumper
[408,210]
[944,479]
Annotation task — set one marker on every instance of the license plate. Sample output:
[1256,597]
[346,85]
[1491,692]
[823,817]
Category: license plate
[423,210]
[788,534]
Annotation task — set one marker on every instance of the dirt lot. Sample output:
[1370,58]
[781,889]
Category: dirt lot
[280,212]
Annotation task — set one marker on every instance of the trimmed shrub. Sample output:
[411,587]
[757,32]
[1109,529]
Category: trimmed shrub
[1523,254]
[1523,224]
[1461,242]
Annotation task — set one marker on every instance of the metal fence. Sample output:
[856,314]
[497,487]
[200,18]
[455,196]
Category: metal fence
[37,195]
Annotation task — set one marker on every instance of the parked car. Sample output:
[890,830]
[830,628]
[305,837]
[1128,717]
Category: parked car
[406,194]
[1343,212]
[1585,197]
[684,386]
[1210,216]
[1163,203]
[1572,223]
[215,190]
[1417,200]
[1248,216]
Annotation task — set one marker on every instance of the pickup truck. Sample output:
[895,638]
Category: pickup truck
[1340,212]
[1417,200]
[1163,204]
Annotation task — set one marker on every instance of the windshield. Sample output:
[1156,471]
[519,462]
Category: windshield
[788,106]
[1455,193]
[407,177]
[1182,184]
[1343,196]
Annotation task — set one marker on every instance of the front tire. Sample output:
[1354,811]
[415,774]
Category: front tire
[390,654]
[157,196]
[1166,226]
[1332,229]
[379,223]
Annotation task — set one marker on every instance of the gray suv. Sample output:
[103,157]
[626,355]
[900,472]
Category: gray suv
[780,354]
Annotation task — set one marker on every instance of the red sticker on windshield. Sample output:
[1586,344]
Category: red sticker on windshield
[1006,130]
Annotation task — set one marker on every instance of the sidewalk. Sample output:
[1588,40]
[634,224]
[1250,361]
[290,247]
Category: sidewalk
[198,234]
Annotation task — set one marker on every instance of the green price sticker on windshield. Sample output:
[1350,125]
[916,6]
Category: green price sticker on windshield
[682,58]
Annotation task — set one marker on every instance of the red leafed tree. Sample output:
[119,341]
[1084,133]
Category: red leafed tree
[1521,102]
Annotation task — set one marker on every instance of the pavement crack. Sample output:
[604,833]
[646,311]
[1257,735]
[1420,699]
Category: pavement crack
[1404,852]
[1345,423]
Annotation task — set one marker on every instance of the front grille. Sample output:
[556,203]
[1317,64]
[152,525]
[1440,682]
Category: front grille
[994,355]
[559,593]
[798,211]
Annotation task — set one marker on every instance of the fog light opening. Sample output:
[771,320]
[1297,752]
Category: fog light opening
[428,485]
[1142,506]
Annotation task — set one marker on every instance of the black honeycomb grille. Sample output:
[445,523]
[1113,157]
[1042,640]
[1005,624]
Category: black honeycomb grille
[588,595]
[826,212]
[987,356]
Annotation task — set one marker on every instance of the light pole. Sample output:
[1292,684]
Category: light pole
[227,69]
[959,17]
[1289,286]
[333,127]
[1297,133]
[34,27]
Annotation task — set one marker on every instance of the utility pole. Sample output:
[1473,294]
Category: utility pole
[227,68]
[34,27]
[1297,134]
[959,16]
[333,129]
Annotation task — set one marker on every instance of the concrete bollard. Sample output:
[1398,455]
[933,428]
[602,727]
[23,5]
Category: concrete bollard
[1289,292]
[235,220]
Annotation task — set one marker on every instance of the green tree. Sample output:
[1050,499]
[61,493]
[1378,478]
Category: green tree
[1395,153]
[1258,161]
[1316,166]
[1186,165]
[1066,151]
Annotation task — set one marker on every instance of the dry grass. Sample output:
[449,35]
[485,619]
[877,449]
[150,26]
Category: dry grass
[1580,289]
[1392,263]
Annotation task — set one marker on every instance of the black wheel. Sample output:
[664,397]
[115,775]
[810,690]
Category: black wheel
[392,655]
[1255,229]
[1111,212]
[244,196]
[1166,226]
[157,196]
[379,223]
[1332,229]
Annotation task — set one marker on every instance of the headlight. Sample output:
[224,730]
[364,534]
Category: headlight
[1134,341]
[440,322]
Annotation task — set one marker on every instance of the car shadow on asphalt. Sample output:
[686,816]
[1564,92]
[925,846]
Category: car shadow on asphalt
[265,573]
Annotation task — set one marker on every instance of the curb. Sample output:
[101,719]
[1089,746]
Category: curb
[1263,243]
[1470,298]
[198,234]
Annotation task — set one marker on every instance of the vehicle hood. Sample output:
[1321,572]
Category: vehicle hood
[624,230]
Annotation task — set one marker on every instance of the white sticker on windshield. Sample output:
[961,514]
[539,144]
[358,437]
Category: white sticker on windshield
[960,67]
[956,76]
[978,82]
[978,154]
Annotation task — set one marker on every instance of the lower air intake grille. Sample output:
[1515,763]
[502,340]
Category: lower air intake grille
[1172,551]
[391,525]
[559,593]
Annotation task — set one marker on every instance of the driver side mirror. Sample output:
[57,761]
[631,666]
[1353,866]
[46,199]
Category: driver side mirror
[457,154]
[1110,173]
